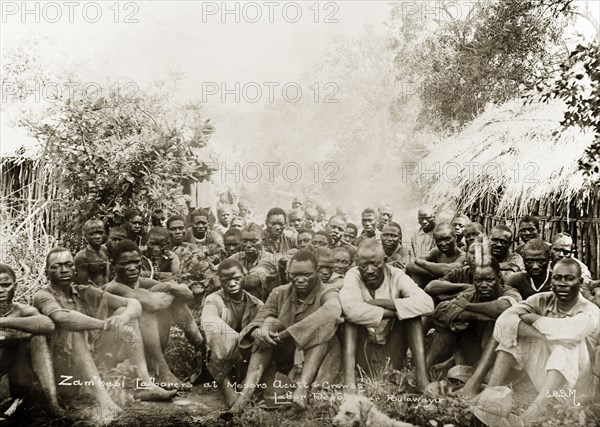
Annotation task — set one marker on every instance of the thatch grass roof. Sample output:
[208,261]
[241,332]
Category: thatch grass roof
[515,151]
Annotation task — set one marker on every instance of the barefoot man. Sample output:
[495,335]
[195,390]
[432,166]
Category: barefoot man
[304,316]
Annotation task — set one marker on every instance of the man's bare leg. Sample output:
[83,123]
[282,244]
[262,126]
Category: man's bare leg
[502,366]
[313,358]
[183,317]
[349,346]
[416,343]
[153,351]
[228,391]
[441,347]
[85,366]
[554,380]
[486,362]
[259,361]
[41,362]
[130,342]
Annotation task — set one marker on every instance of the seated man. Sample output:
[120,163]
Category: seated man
[384,215]
[459,222]
[177,232]
[321,239]
[23,345]
[237,223]
[383,309]
[162,303]
[211,242]
[500,241]
[325,268]
[422,239]
[158,262]
[350,234]
[232,241]
[92,262]
[85,329]
[528,229]
[457,280]
[391,239]
[466,322]
[225,214]
[302,316]
[368,218]
[262,264]
[296,221]
[304,238]
[115,235]
[439,261]
[473,233]
[536,277]
[342,261]
[310,219]
[274,239]
[224,315]
[548,336]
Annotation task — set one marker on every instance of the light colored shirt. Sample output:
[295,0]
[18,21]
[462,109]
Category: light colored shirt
[422,243]
[410,301]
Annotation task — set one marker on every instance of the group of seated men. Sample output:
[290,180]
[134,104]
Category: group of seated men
[305,299]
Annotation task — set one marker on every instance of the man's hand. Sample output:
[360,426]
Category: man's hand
[116,321]
[461,302]
[263,339]
[388,304]
[529,318]
[162,287]
[13,334]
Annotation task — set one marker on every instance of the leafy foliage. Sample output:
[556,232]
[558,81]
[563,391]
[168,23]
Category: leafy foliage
[487,55]
[577,82]
[110,153]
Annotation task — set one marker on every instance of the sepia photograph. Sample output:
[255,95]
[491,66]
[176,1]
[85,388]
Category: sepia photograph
[300,213]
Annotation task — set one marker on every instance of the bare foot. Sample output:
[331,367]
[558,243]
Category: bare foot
[155,394]
[300,398]
[467,392]
[230,395]
[239,405]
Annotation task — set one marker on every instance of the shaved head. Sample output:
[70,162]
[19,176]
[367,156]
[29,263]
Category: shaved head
[426,211]
[369,247]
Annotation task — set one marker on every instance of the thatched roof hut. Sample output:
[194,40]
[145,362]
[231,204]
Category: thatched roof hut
[513,160]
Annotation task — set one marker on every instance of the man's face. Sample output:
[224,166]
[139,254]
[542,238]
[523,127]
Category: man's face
[158,219]
[275,225]
[325,272]
[390,237]
[536,263]
[95,235]
[61,268]
[385,216]
[199,226]
[561,248]
[225,217]
[251,243]
[303,240]
[459,227]
[500,241]
[527,231]
[7,289]
[426,221]
[319,241]
[303,276]
[128,267]
[349,235]
[368,222]
[341,262]
[321,216]
[445,240]
[232,244]
[157,245]
[472,234]
[486,283]
[371,267]
[231,279]
[297,204]
[336,229]
[136,224]
[565,283]
[296,221]
[114,237]
[236,224]
[244,210]
[176,230]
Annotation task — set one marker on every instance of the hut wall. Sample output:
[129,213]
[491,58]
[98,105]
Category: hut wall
[580,220]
